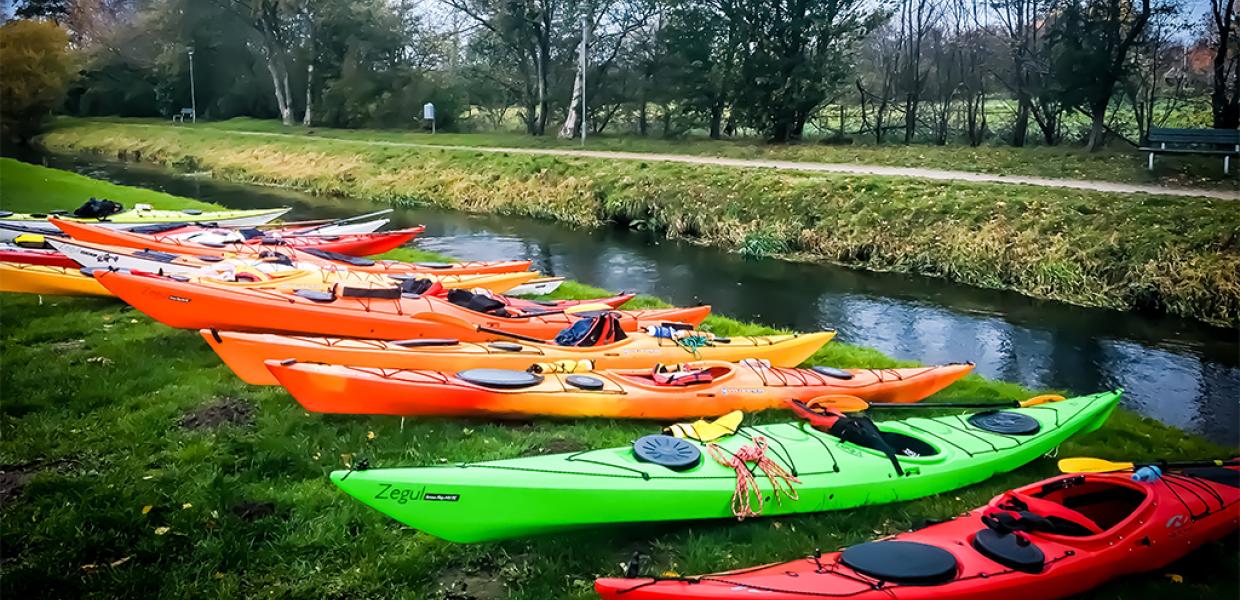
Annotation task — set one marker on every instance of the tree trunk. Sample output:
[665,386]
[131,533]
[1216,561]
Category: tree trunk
[572,122]
[716,120]
[1020,128]
[1097,130]
[1226,112]
[281,100]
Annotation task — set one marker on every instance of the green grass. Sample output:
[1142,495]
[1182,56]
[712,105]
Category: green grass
[1160,254]
[94,394]
[1121,164]
[31,188]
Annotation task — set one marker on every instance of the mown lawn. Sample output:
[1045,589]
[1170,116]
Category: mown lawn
[135,465]
[1119,163]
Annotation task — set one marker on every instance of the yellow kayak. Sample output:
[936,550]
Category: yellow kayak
[61,281]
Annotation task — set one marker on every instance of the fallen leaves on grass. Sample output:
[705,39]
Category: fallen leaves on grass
[162,530]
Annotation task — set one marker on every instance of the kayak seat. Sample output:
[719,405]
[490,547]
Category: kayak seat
[338,257]
[500,378]
[1012,550]
[907,445]
[907,563]
[1020,511]
[477,302]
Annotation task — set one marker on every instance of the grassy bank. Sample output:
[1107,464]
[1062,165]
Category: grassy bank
[1175,255]
[133,464]
[1065,162]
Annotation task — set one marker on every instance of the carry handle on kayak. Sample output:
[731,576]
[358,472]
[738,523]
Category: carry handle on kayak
[1098,465]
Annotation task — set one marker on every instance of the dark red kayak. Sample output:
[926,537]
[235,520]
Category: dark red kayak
[1051,539]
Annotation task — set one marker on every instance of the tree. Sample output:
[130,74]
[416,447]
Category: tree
[38,69]
[792,54]
[1225,106]
[1094,39]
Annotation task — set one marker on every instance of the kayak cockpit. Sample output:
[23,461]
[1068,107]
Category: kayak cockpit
[1080,506]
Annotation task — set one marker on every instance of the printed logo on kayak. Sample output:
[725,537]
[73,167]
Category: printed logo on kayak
[402,495]
[178,299]
[727,390]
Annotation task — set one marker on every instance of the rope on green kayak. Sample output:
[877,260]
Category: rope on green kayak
[746,484]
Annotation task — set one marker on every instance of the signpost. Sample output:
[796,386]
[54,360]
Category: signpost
[428,114]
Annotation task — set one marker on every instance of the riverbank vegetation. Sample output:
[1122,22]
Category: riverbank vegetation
[1143,252]
[134,464]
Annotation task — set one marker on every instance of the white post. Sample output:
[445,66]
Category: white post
[193,95]
[585,39]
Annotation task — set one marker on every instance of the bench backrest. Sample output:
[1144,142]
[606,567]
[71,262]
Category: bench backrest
[187,111]
[1194,136]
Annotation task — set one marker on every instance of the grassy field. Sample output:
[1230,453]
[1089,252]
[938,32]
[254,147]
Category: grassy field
[133,464]
[1122,164]
[1161,254]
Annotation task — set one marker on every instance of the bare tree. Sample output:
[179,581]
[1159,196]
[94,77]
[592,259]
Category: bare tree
[1226,21]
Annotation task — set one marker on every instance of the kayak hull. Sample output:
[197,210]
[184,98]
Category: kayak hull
[47,280]
[245,353]
[137,218]
[187,305]
[97,256]
[360,390]
[361,244]
[503,499]
[1151,533]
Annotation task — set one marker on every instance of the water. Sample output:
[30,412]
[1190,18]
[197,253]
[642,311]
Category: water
[1179,371]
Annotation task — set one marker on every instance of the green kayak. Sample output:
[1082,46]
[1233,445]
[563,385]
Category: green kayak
[526,496]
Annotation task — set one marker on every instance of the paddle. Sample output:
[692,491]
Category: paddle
[458,322]
[845,403]
[1098,465]
[321,223]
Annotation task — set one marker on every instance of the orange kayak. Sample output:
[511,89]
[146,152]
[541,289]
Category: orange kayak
[84,235]
[245,353]
[618,393]
[353,312]
[355,244]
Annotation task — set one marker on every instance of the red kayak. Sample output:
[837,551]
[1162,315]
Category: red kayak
[359,244]
[1051,539]
[36,256]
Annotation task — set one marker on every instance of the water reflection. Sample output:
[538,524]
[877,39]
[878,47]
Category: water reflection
[1179,371]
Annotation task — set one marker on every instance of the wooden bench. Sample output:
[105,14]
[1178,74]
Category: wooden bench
[185,112]
[1213,142]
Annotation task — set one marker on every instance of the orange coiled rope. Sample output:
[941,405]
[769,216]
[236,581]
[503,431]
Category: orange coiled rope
[746,484]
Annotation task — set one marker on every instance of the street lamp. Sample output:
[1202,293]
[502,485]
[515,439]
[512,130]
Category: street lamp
[193,96]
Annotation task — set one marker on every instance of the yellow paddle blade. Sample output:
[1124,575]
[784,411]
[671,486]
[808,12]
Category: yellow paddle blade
[1043,399]
[1084,464]
[840,402]
[589,307]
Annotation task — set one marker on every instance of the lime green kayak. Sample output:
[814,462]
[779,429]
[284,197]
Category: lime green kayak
[527,496]
[139,216]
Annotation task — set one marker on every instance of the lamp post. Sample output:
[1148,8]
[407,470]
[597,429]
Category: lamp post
[193,96]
